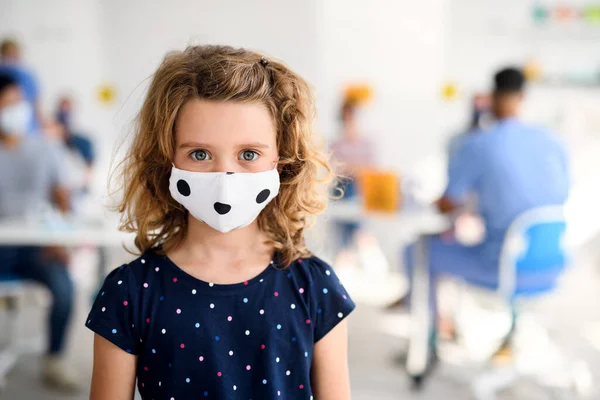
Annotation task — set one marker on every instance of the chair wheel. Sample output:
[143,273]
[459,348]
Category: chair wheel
[417,382]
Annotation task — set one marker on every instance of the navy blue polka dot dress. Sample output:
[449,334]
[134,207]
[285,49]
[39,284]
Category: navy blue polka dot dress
[199,340]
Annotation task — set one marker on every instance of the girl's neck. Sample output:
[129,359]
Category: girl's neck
[203,242]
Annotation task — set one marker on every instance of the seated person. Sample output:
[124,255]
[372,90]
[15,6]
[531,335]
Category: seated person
[512,168]
[71,138]
[30,177]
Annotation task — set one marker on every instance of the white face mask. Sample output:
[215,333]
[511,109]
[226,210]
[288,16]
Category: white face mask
[15,120]
[224,200]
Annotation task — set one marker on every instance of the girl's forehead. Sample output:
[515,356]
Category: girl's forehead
[214,122]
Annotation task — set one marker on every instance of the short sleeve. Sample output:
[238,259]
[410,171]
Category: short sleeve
[330,303]
[463,171]
[114,314]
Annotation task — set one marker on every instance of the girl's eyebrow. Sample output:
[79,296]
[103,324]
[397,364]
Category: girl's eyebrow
[188,145]
[256,145]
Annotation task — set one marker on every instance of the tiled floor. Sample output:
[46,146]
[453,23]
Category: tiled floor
[375,375]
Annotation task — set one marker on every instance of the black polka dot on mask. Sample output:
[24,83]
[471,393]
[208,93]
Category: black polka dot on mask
[183,188]
[221,208]
[263,196]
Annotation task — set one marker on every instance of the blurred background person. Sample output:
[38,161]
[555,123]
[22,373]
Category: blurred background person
[352,152]
[75,140]
[11,64]
[510,168]
[31,176]
[77,152]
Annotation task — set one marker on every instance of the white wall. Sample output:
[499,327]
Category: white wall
[397,47]
[76,45]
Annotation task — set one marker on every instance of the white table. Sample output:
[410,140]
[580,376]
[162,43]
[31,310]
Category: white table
[102,233]
[80,232]
[406,226]
[95,231]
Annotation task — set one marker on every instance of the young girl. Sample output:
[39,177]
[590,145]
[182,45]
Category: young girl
[225,301]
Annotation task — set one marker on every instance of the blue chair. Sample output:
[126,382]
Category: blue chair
[534,255]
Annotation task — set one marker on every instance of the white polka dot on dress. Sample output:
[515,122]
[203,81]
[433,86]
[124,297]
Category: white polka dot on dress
[103,309]
[118,283]
[212,305]
[230,352]
[328,272]
[277,360]
[157,269]
[143,261]
[288,372]
[234,387]
[211,284]
[247,333]
[164,331]
[261,312]
[340,315]
[193,291]
[293,306]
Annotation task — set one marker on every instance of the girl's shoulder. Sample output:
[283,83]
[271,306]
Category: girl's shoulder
[310,268]
[140,268]
[315,273]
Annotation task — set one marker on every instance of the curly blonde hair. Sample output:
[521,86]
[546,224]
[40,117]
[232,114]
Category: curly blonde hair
[222,73]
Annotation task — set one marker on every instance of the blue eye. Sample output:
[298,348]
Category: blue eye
[249,155]
[200,155]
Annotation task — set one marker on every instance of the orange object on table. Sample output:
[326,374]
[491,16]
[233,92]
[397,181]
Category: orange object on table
[380,190]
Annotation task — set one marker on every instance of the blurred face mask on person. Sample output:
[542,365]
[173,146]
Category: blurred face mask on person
[15,113]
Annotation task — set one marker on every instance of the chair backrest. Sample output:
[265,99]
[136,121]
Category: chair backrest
[534,245]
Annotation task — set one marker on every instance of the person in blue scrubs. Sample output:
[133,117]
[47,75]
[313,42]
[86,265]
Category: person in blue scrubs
[11,65]
[510,168]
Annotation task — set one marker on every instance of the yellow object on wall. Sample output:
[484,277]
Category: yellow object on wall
[107,94]
[449,91]
[532,71]
[380,190]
